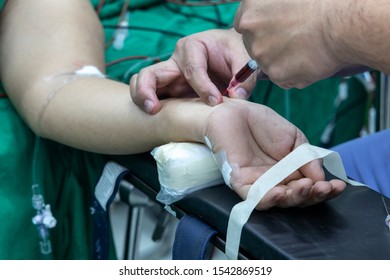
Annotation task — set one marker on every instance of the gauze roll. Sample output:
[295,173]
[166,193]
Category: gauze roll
[184,168]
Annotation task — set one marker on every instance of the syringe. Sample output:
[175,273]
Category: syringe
[242,75]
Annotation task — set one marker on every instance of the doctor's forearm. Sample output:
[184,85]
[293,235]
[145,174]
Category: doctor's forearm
[358,33]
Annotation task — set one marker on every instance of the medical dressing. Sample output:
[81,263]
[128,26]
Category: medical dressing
[184,168]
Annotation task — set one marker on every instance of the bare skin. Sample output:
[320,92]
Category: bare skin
[299,42]
[96,114]
[295,43]
[201,65]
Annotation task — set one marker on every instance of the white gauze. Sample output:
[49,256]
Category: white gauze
[184,168]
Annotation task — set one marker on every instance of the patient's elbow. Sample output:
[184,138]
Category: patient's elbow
[31,105]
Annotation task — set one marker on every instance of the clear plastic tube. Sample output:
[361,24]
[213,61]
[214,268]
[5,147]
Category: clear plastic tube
[44,242]
[43,212]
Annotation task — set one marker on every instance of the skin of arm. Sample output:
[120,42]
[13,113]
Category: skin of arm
[43,43]
[358,34]
[37,69]
[299,42]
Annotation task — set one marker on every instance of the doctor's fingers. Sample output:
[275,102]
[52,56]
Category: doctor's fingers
[144,86]
[197,76]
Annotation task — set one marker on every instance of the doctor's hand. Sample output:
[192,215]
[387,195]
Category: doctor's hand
[255,138]
[290,40]
[201,65]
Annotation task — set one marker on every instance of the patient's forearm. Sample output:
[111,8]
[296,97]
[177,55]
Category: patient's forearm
[40,55]
[98,115]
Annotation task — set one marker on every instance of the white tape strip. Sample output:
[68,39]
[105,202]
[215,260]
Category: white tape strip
[305,153]
[106,184]
[89,70]
[222,162]
[224,167]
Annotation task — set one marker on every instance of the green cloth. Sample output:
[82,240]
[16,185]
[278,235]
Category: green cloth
[154,31]
[67,176]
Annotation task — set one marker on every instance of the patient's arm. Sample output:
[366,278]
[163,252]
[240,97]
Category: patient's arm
[42,43]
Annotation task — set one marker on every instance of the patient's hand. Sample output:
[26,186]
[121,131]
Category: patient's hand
[255,138]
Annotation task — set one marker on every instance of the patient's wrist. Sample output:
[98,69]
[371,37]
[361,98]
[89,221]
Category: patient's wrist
[184,119]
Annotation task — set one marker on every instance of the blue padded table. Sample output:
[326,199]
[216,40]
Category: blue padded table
[351,226]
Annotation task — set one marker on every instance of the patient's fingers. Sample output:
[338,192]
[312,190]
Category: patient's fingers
[301,193]
[313,170]
[324,190]
[337,186]
[248,175]
[295,193]
[319,192]
[271,198]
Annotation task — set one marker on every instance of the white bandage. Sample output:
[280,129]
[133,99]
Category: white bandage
[184,168]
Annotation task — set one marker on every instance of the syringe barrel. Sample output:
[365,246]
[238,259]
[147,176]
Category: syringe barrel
[246,71]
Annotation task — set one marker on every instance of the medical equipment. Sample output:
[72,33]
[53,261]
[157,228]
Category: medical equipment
[43,220]
[184,168]
[387,219]
[242,75]
[121,33]
[105,192]
[327,231]
[340,98]
[241,212]
[368,82]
